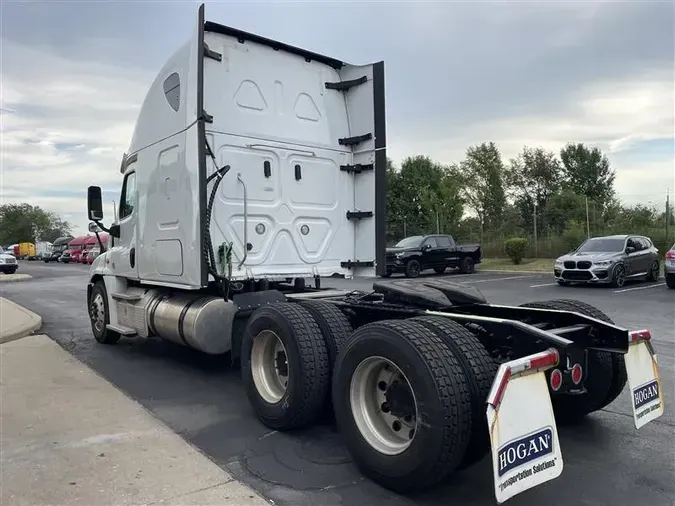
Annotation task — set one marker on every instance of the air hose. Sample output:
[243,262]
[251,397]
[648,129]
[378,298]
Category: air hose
[208,245]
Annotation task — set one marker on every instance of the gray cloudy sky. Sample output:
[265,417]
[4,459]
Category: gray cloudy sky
[539,73]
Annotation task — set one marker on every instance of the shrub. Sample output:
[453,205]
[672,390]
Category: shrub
[515,248]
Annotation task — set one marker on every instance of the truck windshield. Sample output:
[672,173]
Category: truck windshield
[410,242]
[602,244]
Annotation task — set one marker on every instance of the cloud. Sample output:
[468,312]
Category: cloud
[458,73]
[65,124]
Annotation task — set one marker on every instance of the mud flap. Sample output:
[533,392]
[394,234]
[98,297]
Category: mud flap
[523,433]
[643,379]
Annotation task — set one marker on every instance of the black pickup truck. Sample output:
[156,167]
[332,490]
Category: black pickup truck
[414,254]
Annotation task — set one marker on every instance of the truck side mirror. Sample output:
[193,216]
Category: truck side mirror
[94,203]
[93,227]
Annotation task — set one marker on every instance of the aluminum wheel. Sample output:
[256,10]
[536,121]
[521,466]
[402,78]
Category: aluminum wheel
[383,405]
[97,313]
[269,366]
[620,276]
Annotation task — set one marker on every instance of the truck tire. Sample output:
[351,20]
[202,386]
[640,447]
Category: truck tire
[99,315]
[334,325]
[467,266]
[284,366]
[377,416]
[479,370]
[412,268]
[607,374]
[619,373]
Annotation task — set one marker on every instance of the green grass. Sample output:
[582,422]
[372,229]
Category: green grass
[528,264]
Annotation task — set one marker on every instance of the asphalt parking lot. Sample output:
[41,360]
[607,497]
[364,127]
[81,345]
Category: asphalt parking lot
[606,460]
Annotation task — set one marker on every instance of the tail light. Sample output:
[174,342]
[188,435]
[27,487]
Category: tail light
[556,380]
[670,255]
[577,374]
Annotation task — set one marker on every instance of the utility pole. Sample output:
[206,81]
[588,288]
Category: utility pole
[536,243]
[438,224]
[588,223]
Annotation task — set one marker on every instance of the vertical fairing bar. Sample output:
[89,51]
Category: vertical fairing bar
[380,169]
[201,144]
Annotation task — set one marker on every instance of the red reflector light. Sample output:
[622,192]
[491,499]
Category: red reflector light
[556,380]
[640,335]
[577,373]
[545,359]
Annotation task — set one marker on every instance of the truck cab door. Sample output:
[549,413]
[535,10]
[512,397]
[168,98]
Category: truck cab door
[123,256]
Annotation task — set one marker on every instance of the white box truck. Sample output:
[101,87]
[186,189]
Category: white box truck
[255,165]
[43,249]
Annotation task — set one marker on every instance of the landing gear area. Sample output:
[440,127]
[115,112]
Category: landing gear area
[424,379]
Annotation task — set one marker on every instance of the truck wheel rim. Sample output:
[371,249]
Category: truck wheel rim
[269,366]
[387,423]
[98,312]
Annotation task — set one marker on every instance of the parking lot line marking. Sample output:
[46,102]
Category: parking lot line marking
[500,279]
[545,284]
[639,288]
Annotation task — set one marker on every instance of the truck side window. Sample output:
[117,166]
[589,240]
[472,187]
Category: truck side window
[172,90]
[430,242]
[128,198]
[443,241]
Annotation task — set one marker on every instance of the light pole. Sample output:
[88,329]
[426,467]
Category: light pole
[536,244]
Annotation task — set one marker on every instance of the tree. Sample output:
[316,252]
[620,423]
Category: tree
[587,172]
[481,175]
[27,223]
[562,208]
[533,177]
[421,197]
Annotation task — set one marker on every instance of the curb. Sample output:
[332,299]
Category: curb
[33,322]
[14,278]
[512,271]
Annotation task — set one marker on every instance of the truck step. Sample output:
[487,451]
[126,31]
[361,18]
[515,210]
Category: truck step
[132,297]
[120,329]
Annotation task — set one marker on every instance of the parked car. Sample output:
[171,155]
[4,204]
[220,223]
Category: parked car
[8,264]
[609,260]
[65,257]
[439,252]
[669,267]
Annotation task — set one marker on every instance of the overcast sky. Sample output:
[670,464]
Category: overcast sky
[457,73]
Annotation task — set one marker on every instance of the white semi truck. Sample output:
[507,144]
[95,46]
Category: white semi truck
[255,165]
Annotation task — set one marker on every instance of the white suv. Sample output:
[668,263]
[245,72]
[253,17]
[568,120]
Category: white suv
[8,263]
